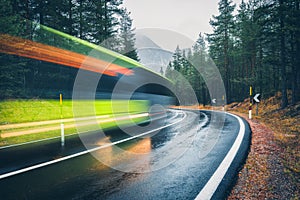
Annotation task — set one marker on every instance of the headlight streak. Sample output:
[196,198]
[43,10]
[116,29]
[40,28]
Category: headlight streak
[29,49]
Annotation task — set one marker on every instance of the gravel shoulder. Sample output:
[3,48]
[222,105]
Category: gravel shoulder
[264,176]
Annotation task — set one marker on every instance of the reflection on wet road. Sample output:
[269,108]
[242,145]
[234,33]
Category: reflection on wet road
[172,163]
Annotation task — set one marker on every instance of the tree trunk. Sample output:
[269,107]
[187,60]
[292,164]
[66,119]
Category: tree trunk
[284,99]
[80,19]
[204,94]
[296,65]
[41,12]
[70,18]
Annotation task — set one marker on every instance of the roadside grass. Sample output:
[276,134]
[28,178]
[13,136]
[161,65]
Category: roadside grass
[32,137]
[18,111]
[21,111]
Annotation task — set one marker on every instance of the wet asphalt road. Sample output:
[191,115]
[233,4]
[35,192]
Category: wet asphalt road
[173,163]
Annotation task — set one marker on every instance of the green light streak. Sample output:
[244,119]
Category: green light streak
[115,57]
[94,46]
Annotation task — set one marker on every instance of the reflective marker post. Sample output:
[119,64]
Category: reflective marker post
[62,129]
[250,106]
[223,98]
[62,132]
[257,100]
[250,111]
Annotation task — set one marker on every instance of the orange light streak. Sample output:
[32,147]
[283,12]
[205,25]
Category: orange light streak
[29,49]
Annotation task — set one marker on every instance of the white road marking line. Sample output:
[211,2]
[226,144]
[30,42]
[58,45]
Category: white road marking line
[204,121]
[55,121]
[31,142]
[52,138]
[87,151]
[215,180]
[93,122]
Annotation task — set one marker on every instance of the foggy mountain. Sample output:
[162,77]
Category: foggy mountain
[151,55]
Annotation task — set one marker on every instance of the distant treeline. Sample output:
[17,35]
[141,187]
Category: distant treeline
[258,46]
[103,22]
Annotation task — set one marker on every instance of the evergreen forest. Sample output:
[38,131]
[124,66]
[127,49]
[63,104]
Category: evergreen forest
[102,22]
[256,43]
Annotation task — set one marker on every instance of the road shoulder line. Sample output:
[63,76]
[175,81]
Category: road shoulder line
[211,186]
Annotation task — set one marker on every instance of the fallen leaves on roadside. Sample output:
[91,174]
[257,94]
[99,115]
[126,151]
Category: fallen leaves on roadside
[272,169]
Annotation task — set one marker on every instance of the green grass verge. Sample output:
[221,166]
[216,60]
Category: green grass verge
[18,111]
[69,131]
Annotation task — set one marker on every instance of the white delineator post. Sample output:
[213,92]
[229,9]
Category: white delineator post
[223,99]
[250,112]
[62,128]
[250,106]
[62,133]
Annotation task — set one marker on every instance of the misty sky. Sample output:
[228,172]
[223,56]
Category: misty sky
[188,17]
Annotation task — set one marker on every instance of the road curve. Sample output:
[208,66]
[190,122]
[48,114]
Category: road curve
[177,162]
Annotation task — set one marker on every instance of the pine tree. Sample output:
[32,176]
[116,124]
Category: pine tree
[281,15]
[127,36]
[222,38]
[9,19]
[199,61]
[199,47]
[293,28]
[245,51]
[177,58]
[12,68]
[108,22]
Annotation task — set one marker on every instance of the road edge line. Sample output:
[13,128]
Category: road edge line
[211,186]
